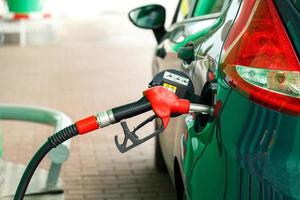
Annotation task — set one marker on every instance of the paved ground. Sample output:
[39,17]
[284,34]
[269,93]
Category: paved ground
[92,66]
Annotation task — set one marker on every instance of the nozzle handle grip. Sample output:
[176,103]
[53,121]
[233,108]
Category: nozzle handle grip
[131,109]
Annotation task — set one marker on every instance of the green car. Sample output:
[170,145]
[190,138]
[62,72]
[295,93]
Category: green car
[243,58]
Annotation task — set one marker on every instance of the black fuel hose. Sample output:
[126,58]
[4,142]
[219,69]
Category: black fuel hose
[52,142]
[33,164]
[80,127]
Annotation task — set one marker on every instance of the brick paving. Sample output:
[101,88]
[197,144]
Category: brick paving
[92,66]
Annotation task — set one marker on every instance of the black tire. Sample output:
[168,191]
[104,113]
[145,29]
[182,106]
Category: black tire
[159,161]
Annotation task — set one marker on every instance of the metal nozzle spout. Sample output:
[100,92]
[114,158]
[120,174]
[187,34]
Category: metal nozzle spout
[201,108]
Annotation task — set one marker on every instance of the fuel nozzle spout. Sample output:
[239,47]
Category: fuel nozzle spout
[201,108]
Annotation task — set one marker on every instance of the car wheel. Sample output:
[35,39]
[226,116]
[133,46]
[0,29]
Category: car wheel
[159,161]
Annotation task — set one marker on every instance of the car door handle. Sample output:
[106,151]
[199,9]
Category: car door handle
[186,53]
[161,52]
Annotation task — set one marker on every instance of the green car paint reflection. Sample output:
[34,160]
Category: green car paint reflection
[195,145]
[207,170]
[203,8]
[196,38]
[265,143]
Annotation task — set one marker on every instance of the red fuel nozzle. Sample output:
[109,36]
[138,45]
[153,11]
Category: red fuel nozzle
[165,103]
[162,101]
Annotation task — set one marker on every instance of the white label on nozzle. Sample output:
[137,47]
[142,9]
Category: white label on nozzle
[176,78]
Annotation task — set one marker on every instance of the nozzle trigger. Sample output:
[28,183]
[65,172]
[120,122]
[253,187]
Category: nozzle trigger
[130,135]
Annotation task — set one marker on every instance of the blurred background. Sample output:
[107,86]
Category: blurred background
[80,58]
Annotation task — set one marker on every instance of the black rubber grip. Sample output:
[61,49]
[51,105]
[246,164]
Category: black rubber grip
[131,109]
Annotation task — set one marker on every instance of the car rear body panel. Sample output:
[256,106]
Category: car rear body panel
[254,151]
[264,143]
[249,151]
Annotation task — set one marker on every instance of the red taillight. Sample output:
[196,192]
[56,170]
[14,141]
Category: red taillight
[259,59]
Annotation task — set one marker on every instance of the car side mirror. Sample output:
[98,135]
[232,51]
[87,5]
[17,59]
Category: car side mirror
[150,17]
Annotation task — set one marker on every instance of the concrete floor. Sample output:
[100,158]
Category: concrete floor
[93,65]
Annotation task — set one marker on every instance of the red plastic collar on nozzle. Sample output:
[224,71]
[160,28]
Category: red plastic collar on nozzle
[86,125]
[164,103]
